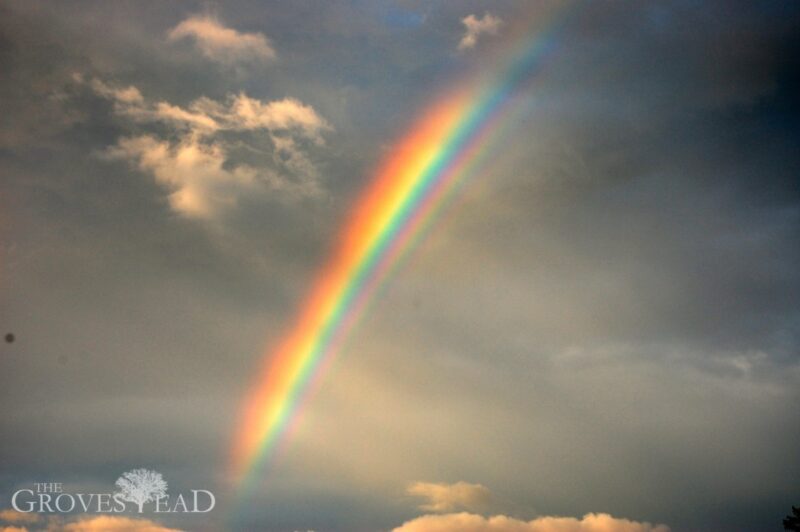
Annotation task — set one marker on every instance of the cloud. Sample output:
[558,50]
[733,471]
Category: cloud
[619,246]
[193,160]
[287,114]
[106,523]
[475,27]
[199,185]
[466,522]
[205,116]
[222,44]
[448,497]
[102,523]
[121,95]
[13,516]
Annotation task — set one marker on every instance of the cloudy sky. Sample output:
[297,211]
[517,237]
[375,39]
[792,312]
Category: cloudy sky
[601,332]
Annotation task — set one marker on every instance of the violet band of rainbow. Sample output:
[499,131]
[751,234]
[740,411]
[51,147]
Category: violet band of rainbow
[442,150]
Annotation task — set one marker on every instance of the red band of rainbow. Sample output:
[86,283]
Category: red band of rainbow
[443,148]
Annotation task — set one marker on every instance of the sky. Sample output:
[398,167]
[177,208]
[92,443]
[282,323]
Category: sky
[600,331]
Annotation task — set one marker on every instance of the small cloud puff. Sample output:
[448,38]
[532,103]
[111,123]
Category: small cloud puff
[475,27]
[442,497]
[222,44]
[466,522]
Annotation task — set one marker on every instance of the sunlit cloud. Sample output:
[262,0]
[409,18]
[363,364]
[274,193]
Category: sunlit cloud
[193,160]
[441,497]
[467,522]
[220,43]
[193,173]
[83,523]
[488,24]
[205,116]
[106,523]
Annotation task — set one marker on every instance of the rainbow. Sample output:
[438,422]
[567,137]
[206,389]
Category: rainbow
[446,145]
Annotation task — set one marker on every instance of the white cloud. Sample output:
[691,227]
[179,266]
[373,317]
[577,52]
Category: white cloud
[205,116]
[475,27]
[193,161]
[166,112]
[287,113]
[222,44]
[467,522]
[442,497]
[193,173]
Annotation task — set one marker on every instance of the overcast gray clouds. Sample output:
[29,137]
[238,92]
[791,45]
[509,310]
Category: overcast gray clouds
[603,326]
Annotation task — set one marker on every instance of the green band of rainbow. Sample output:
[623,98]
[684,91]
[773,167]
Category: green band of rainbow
[444,148]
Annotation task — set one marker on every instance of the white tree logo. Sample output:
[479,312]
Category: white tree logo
[140,486]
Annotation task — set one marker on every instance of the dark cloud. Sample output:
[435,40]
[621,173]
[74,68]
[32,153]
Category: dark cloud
[606,320]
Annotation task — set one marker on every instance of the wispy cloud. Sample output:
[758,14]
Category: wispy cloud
[442,497]
[220,43]
[205,116]
[475,27]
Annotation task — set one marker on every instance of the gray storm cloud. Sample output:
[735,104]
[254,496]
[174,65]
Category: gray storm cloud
[604,322]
